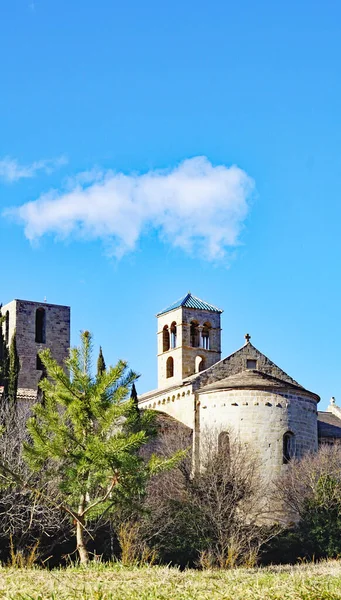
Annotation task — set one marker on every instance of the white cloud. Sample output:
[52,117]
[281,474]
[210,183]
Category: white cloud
[11,170]
[195,206]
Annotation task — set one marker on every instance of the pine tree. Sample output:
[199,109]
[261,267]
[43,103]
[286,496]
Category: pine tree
[86,438]
[14,368]
[100,363]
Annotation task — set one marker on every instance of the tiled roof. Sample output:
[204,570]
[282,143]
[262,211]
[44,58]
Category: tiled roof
[251,379]
[329,425]
[190,301]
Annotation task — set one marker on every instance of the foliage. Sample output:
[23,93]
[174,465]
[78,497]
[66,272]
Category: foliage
[9,364]
[14,368]
[100,581]
[311,497]
[21,559]
[319,529]
[211,519]
[4,358]
[25,518]
[134,550]
[86,439]
[101,367]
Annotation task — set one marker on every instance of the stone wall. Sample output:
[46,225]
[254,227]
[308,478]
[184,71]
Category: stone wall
[237,362]
[178,402]
[22,319]
[260,418]
[184,355]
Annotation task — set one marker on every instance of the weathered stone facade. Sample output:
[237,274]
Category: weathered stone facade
[261,418]
[245,395]
[37,326]
[202,324]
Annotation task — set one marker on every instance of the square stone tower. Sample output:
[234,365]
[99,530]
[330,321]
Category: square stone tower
[189,339]
[37,326]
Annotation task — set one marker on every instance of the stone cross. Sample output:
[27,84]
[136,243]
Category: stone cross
[247,337]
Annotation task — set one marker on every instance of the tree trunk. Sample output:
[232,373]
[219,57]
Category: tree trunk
[81,546]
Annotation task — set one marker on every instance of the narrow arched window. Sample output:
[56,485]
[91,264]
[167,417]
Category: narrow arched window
[7,327]
[40,326]
[205,336]
[173,334]
[169,367]
[165,338]
[199,364]
[194,334]
[288,447]
[224,443]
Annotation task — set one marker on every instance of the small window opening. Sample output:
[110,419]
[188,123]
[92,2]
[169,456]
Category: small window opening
[251,363]
[224,443]
[7,327]
[173,335]
[169,367]
[194,334]
[288,447]
[39,366]
[205,336]
[199,364]
[166,344]
[40,326]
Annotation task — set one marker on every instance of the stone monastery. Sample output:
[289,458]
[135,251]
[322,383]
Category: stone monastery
[244,394]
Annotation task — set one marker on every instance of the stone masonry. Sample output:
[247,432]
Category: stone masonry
[244,395]
[188,359]
[21,317]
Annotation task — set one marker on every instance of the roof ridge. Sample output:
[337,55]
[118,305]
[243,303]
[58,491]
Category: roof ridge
[257,372]
[201,379]
[254,379]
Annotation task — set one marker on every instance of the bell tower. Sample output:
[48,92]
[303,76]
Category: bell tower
[189,339]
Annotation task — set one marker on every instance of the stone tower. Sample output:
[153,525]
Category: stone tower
[189,339]
[37,326]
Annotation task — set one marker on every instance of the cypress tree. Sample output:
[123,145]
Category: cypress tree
[133,395]
[135,419]
[135,400]
[14,368]
[135,412]
[100,363]
[2,348]
[4,358]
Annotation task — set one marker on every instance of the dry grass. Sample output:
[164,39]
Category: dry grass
[321,581]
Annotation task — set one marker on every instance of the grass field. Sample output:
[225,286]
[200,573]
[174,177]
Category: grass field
[306,582]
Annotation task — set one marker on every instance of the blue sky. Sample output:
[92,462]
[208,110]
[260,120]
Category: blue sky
[106,105]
